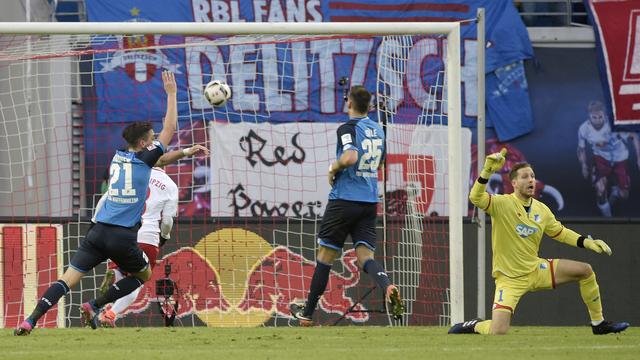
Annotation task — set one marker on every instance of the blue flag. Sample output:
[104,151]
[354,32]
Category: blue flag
[129,87]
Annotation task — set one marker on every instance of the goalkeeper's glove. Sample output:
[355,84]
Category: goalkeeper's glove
[597,245]
[493,163]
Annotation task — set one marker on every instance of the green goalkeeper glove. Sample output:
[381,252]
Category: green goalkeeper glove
[596,245]
[493,163]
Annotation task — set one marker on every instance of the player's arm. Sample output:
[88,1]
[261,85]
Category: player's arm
[555,230]
[478,195]
[582,153]
[169,211]
[99,206]
[173,156]
[349,156]
[171,116]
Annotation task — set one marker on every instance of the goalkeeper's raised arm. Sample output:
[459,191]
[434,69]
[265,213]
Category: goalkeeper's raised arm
[492,163]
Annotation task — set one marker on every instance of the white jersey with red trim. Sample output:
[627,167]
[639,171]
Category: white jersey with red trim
[162,200]
[605,143]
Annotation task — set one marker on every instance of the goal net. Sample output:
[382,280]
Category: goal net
[243,245]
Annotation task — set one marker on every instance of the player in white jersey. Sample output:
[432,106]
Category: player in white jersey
[610,157]
[161,207]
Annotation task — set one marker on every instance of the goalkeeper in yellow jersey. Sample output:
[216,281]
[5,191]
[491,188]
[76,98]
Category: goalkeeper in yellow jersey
[518,223]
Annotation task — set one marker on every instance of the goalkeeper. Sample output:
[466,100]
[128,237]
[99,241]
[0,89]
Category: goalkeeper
[518,222]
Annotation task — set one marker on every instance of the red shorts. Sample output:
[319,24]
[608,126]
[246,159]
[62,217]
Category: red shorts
[151,252]
[605,168]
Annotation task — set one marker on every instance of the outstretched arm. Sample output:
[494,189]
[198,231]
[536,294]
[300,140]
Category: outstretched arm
[171,117]
[558,232]
[492,163]
[174,156]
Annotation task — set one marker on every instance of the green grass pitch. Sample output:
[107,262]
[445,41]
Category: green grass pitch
[348,342]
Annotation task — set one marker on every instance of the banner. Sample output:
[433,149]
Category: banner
[31,258]
[128,84]
[569,105]
[617,28]
[264,169]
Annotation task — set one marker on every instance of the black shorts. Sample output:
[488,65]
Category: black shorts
[117,243]
[342,218]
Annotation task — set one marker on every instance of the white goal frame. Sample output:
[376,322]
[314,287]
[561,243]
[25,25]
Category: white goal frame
[453,76]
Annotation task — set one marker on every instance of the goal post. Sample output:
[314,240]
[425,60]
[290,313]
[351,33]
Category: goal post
[257,33]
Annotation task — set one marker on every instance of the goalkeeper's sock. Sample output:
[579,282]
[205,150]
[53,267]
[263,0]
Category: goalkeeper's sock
[57,290]
[483,327]
[377,273]
[590,292]
[318,285]
[120,289]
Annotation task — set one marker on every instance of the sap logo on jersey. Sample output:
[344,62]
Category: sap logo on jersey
[524,230]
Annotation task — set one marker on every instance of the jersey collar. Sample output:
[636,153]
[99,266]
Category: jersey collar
[523,203]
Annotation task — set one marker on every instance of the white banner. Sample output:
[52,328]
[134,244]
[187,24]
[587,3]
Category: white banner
[281,170]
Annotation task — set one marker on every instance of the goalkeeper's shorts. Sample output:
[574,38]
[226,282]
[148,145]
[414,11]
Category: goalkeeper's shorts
[509,290]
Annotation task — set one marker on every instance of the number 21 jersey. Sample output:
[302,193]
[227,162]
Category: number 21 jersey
[128,183]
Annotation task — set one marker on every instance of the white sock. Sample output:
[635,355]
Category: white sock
[118,276]
[596,322]
[123,303]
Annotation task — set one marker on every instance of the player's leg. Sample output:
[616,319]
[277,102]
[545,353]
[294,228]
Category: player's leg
[108,317]
[568,271]
[363,234]
[324,260]
[331,237]
[603,170]
[498,325]
[85,259]
[507,295]
[623,179]
[121,246]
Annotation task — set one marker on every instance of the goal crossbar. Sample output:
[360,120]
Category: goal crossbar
[179,28]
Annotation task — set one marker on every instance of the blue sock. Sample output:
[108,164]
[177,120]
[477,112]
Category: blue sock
[57,290]
[318,285]
[377,273]
[122,288]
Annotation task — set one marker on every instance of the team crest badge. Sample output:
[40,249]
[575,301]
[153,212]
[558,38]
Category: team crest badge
[140,65]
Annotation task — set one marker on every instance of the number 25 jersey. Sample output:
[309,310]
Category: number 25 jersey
[128,184]
[359,182]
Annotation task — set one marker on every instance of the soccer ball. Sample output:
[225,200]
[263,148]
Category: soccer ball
[217,92]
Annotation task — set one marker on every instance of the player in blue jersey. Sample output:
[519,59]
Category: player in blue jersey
[114,236]
[352,205]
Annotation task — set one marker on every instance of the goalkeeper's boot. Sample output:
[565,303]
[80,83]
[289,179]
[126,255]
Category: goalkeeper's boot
[393,298]
[608,327]
[89,315]
[24,329]
[467,327]
[107,281]
[107,319]
[297,311]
